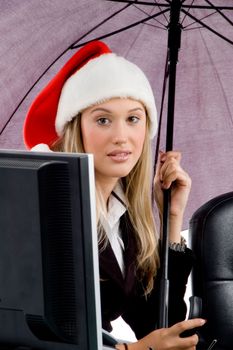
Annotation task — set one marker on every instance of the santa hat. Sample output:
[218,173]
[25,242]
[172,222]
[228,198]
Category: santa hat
[93,75]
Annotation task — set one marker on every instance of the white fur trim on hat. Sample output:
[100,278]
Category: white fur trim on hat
[41,147]
[102,78]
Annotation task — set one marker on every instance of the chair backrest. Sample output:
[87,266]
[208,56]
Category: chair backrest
[211,234]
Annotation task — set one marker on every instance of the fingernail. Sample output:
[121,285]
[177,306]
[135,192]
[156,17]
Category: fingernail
[162,158]
[203,321]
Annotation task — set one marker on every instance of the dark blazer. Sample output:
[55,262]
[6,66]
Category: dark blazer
[123,296]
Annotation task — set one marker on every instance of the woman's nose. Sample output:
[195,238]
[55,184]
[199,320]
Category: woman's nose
[119,140]
[120,134]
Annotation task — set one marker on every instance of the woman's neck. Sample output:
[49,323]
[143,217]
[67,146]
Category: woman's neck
[106,188]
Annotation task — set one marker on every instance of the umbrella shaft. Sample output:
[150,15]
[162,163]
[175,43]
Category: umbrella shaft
[171,105]
[174,39]
[163,311]
[173,46]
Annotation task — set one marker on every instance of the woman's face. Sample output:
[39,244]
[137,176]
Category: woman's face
[114,132]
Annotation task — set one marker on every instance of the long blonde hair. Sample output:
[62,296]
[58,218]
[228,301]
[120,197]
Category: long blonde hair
[137,186]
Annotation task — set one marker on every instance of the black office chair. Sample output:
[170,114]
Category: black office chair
[211,234]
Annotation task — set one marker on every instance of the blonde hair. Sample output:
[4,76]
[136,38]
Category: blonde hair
[137,186]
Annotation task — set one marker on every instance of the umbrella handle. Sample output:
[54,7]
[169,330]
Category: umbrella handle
[164,281]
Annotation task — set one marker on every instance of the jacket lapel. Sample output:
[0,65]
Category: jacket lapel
[109,268]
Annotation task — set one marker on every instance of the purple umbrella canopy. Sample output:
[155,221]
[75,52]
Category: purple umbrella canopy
[38,37]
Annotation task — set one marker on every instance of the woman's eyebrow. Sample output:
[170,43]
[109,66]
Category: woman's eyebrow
[101,110]
[109,111]
[137,109]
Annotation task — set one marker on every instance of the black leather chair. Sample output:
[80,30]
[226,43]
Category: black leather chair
[211,235]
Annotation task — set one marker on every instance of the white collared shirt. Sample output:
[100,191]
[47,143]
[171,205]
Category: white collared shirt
[111,223]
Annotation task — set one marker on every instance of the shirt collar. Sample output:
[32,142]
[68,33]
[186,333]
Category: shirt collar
[116,207]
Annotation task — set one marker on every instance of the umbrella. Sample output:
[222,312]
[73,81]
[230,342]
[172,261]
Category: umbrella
[38,38]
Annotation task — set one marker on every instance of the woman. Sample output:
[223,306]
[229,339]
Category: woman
[102,104]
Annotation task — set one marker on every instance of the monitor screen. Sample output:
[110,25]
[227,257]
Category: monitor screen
[49,275]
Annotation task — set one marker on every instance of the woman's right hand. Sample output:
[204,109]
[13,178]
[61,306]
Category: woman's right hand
[169,338]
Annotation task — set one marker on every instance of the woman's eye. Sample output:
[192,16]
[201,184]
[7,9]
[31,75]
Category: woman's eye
[103,121]
[133,119]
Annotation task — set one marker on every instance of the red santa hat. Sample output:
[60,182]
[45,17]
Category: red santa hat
[93,75]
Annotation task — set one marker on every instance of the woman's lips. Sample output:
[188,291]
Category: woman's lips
[119,156]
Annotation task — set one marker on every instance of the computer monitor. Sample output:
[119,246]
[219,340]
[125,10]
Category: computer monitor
[49,276]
